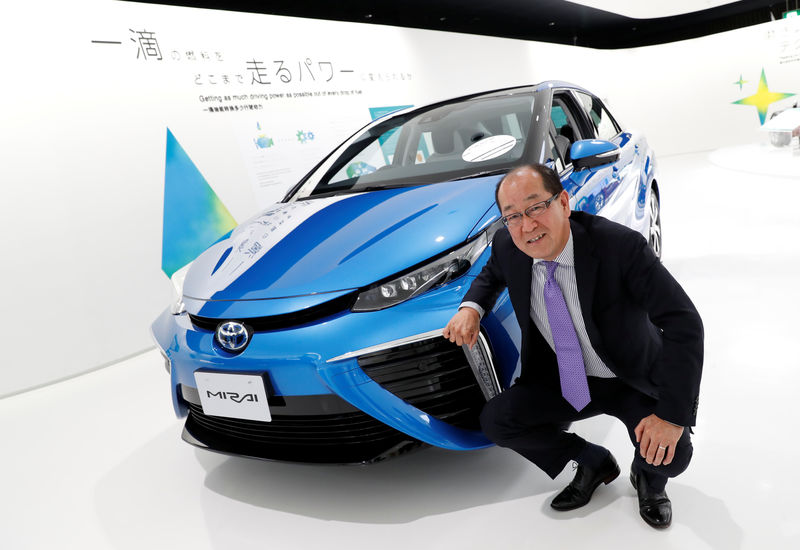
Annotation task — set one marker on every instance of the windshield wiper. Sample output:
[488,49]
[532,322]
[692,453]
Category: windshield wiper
[494,172]
[366,189]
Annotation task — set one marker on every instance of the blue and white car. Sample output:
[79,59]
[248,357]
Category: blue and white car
[313,331]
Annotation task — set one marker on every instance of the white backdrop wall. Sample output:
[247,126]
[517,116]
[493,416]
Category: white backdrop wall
[681,94]
[86,107]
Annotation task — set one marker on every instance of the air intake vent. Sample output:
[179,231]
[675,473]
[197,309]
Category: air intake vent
[339,438]
[433,375]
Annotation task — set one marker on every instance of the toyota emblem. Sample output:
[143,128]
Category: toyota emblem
[232,336]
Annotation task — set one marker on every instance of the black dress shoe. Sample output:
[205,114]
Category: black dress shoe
[579,492]
[654,506]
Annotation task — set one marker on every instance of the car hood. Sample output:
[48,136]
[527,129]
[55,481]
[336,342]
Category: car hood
[325,245]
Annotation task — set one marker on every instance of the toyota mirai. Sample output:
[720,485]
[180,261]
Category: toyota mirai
[313,331]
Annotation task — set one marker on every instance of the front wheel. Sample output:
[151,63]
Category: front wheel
[655,223]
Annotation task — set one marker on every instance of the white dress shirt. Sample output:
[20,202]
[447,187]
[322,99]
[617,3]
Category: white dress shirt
[565,276]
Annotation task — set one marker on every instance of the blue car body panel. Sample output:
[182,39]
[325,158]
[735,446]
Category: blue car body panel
[344,244]
[301,256]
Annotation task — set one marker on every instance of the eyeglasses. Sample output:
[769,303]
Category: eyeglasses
[532,211]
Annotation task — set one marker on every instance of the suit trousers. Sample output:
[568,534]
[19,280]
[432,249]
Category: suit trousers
[533,421]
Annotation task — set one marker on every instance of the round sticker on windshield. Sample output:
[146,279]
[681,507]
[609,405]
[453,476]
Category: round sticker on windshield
[489,148]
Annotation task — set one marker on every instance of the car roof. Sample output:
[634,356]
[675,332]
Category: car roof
[540,87]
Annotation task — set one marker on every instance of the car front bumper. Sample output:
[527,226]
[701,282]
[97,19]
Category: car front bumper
[389,372]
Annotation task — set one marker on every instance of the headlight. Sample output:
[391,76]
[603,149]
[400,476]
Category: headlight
[435,274]
[177,280]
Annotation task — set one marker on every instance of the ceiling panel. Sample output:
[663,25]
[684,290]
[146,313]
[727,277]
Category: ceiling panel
[648,10]
[559,21]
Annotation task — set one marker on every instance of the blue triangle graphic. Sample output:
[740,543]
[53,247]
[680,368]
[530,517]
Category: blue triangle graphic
[194,217]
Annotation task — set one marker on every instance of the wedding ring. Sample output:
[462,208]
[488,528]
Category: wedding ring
[662,447]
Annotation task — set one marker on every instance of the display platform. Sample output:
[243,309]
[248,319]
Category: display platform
[97,462]
[759,158]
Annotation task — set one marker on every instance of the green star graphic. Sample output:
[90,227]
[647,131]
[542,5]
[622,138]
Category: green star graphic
[763,98]
[740,82]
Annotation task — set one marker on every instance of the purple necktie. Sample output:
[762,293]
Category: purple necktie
[574,386]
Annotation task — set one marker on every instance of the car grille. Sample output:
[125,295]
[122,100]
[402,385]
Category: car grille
[286,320]
[432,375]
[335,438]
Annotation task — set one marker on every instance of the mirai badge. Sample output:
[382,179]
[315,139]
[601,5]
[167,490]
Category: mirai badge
[232,336]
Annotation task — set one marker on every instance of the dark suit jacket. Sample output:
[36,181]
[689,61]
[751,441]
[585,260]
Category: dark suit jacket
[638,318]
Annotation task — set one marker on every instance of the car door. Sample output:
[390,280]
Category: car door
[569,121]
[620,191]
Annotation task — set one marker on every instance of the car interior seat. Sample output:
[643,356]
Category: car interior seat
[446,143]
[564,140]
[562,144]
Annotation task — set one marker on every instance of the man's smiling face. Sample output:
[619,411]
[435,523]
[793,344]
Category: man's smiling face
[546,235]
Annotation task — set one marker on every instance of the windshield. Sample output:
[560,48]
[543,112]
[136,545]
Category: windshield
[475,136]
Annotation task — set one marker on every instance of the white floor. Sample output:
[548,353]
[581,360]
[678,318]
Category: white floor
[97,462]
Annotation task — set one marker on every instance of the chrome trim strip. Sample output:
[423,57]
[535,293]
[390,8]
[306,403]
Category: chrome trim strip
[386,345]
[486,352]
[610,153]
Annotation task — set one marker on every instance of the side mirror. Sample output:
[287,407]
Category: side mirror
[590,153]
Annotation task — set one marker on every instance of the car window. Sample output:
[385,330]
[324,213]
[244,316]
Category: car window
[604,124]
[376,155]
[559,117]
[566,127]
[554,157]
[447,141]
[424,148]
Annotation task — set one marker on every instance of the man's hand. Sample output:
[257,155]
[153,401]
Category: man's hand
[657,439]
[463,327]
